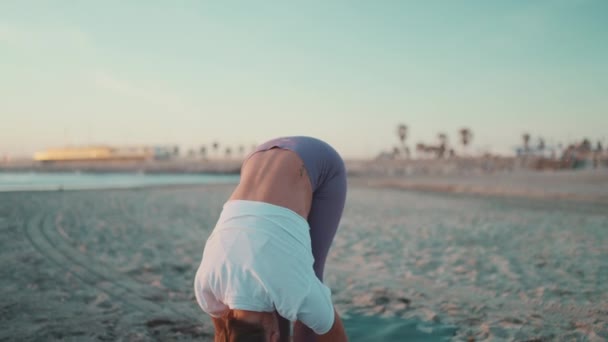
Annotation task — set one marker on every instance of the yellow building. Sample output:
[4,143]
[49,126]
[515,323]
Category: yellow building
[93,153]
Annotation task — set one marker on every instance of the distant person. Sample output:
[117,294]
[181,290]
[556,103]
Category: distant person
[262,265]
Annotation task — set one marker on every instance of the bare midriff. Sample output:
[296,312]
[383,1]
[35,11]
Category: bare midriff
[276,176]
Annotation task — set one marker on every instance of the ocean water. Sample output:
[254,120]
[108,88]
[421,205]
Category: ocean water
[35,181]
[118,265]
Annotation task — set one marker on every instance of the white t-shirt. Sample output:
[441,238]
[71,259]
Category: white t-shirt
[259,258]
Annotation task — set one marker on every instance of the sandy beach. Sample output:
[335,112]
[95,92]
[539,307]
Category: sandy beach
[586,185]
[423,265]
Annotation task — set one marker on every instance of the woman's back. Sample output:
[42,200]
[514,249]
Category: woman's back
[278,177]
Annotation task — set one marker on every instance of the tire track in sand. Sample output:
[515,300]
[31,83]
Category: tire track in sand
[39,231]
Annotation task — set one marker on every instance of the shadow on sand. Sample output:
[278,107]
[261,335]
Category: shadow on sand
[370,328]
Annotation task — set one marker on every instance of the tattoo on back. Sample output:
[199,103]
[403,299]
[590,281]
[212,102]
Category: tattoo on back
[302,171]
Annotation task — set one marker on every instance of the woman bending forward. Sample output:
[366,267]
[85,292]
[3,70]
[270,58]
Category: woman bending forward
[262,265]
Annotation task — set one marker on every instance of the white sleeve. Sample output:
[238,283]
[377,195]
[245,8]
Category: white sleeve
[317,309]
[205,298]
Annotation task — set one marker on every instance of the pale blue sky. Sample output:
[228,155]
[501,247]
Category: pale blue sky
[191,72]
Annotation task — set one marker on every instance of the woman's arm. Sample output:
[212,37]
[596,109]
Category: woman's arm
[220,326]
[336,333]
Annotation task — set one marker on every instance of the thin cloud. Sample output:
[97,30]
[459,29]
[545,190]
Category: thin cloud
[42,38]
[130,89]
[112,83]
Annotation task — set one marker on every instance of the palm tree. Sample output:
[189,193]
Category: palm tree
[241,150]
[465,137]
[597,155]
[541,144]
[175,151]
[228,152]
[203,152]
[526,138]
[586,145]
[402,134]
[396,152]
[420,149]
[443,143]
[216,148]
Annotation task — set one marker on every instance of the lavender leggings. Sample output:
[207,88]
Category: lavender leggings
[328,179]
